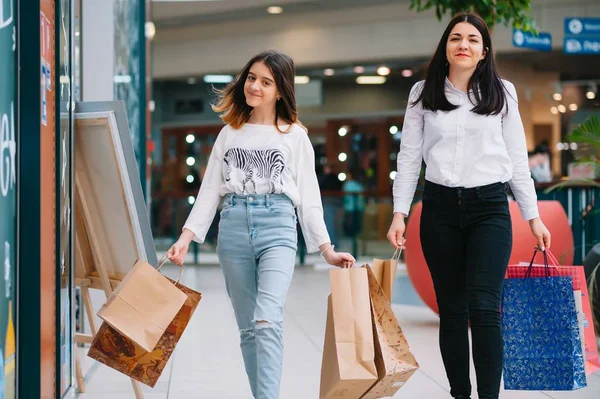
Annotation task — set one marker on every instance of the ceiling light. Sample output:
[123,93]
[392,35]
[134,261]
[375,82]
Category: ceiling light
[301,80]
[329,72]
[191,200]
[557,96]
[189,179]
[343,131]
[149,30]
[275,10]
[393,129]
[370,80]
[190,161]
[393,174]
[342,156]
[342,176]
[573,107]
[591,91]
[554,110]
[122,78]
[407,73]
[218,79]
[190,138]
[383,71]
[359,69]
[562,109]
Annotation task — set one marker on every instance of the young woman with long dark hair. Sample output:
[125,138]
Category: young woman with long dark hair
[464,122]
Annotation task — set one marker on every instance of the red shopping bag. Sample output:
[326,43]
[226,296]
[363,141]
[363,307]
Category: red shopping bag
[577,274]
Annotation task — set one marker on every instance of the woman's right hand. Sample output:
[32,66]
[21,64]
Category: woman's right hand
[395,234]
[176,254]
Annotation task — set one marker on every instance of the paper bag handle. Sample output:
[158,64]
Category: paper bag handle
[546,267]
[162,263]
[552,258]
[397,253]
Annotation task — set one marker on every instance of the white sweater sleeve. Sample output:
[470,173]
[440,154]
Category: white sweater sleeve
[514,137]
[410,156]
[208,198]
[310,211]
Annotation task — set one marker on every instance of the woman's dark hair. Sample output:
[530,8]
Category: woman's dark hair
[485,85]
[231,101]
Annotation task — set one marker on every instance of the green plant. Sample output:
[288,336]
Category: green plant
[492,11]
[586,134]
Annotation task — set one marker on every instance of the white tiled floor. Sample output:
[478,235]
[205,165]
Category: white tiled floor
[207,362]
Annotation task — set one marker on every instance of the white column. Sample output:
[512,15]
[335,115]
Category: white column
[97,50]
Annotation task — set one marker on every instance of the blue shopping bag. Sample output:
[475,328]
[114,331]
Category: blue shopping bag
[542,348]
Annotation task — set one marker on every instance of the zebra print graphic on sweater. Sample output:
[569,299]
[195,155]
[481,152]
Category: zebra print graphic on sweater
[265,164]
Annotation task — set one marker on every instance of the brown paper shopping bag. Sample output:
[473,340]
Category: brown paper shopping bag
[395,363]
[122,354]
[385,272]
[348,367]
[143,305]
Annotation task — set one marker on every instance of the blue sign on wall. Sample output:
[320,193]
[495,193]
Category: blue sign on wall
[582,45]
[582,26]
[582,36]
[541,41]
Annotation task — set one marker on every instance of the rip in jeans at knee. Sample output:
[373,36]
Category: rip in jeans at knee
[247,332]
[263,324]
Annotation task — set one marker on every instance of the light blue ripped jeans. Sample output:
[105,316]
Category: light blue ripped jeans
[257,250]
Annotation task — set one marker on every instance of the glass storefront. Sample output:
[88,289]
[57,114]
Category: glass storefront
[65,206]
[8,196]
[130,73]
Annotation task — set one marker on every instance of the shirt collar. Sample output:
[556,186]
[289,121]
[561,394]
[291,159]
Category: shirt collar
[451,87]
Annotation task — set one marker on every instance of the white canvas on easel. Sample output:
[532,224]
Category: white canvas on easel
[112,229]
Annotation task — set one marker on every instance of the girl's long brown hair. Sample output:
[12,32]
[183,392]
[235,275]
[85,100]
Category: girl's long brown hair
[231,101]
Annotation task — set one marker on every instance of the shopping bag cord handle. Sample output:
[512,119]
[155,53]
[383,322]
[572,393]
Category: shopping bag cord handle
[164,260]
[397,253]
[546,267]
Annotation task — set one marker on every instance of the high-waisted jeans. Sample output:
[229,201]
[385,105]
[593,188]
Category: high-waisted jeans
[466,236]
[257,250]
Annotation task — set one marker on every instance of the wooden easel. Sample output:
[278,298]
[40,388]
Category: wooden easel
[89,256]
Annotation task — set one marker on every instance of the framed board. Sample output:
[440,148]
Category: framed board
[107,177]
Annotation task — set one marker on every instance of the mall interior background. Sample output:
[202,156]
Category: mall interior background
[163,59]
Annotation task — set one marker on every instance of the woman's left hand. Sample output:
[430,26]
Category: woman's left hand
[339,259]
[540,232]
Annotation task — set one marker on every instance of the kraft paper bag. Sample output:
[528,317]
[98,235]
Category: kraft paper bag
[122,354]
[348,367]
[385,272]
[143,305]
[393,358]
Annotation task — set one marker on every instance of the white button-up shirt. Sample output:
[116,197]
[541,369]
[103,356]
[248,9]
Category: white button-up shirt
[464,149]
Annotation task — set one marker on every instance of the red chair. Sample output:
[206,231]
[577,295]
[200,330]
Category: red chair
[551,212]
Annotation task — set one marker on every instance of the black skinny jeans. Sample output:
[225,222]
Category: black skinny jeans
[466,236]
